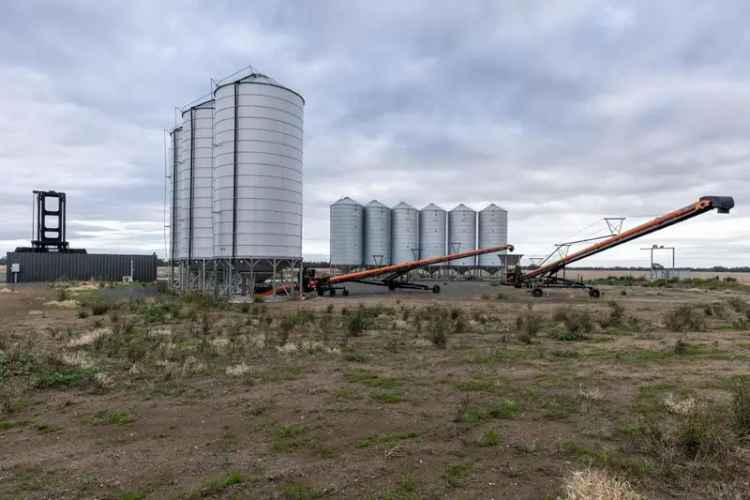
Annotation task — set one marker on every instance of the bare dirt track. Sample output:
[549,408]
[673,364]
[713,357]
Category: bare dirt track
[479,392]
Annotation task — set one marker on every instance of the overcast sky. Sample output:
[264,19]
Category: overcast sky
[561,112]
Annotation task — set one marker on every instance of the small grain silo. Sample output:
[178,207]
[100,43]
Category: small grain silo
[462,234]
[493,231]
[432,236]
[176,209]
[377,234]
[347,233]
[257,195]
[404,233]
[195,224]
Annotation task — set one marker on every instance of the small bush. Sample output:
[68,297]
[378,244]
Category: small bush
[616,314]
[439,334]
[684,319]
[329,309]
[700,435]
[99,308]
[357,323]
[529,323]
[681,347]
[82,314]
[63,294]
[578,322]
[741,406]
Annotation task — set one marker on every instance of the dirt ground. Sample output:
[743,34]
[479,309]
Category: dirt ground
[479,392]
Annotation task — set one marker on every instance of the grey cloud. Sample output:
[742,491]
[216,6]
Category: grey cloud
[561,112]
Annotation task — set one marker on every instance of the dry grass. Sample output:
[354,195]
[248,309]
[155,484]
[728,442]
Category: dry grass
[594,484]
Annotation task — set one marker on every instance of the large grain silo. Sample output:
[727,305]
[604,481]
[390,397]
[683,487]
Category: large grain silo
[493,231]
[257,196]
[195,222]
[432,237]
[462,233]
[377,234]
[347,233]
[176,210]
[404,233]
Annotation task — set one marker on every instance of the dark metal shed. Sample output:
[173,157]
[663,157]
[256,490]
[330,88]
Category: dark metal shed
[24,267]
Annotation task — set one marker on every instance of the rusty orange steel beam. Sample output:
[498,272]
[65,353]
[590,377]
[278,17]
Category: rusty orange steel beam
[411,264]
[722,203]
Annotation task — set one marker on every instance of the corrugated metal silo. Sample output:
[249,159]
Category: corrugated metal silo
[462,233]
[347,233]
[196,173]
[176,210]
[432,220]
[377,234]
[258,132]
[493,231]
[404,233]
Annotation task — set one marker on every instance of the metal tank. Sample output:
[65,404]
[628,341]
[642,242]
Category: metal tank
[493,231]
[377,234]
[462,233]
[404,233]
[432,241]
[347,233]
[257,195]
[195,222]
[177,214]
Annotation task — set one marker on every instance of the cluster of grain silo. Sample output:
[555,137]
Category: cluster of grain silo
[236,182]
[374,234]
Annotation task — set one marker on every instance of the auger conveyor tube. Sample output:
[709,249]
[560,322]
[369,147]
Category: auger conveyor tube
[723,204]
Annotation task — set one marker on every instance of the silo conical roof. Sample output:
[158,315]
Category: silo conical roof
[404,205]
[492,207]
[345,201]
[462,208]
[432,206]
[376,203]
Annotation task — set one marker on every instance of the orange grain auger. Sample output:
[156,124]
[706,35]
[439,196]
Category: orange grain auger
[393,275]
[546,276]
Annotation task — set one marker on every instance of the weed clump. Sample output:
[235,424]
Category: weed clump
[528,325]
[741,406]
[439,334]
[685,319]
[99,308]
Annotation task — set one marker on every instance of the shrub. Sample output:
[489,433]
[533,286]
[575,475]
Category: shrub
[63,294]
[439,334]
[684,319]
[99,308]
[681,347]
[329,309]
[83,314]
[741,406]
[529,323]
[578,322]
[356,324]
[700,435]
[616,314]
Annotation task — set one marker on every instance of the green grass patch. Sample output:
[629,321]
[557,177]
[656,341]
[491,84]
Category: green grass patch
[476,385]
[389,438]
[387,397]
[299,491]
[405,489]
[12,424]
[112,417]
[502,409]
[634,466]
[489,439]
[457,474]
[215,486]
[370,379]
[61,377]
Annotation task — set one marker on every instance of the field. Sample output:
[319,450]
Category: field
[479,392]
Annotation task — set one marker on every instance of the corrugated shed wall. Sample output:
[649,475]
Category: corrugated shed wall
[79,266]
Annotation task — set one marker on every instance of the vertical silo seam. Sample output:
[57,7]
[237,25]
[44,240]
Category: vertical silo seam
[234,168]
[191,194]
[173,211]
